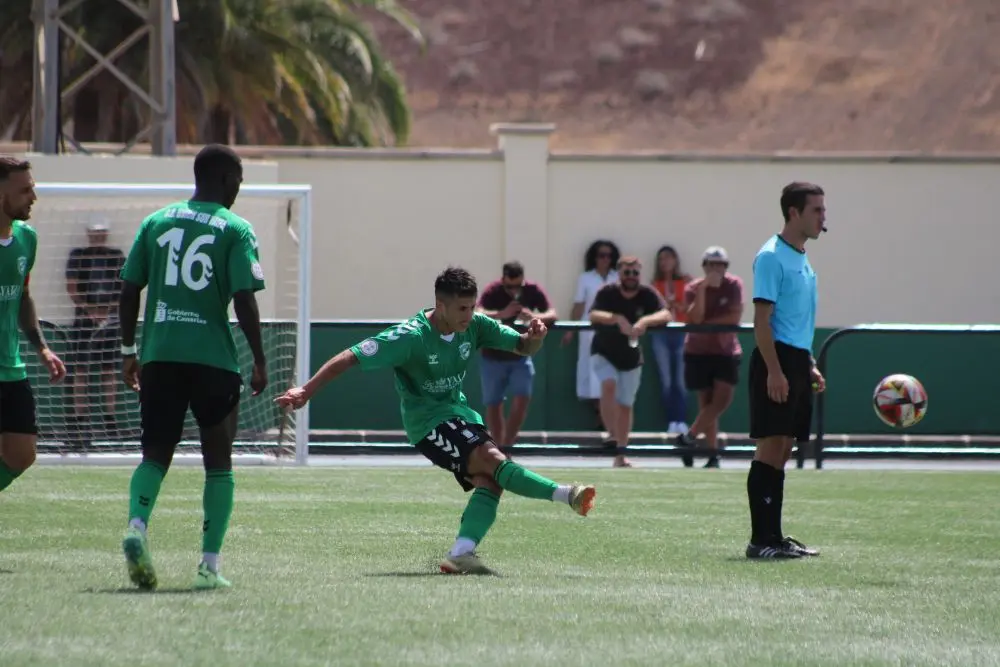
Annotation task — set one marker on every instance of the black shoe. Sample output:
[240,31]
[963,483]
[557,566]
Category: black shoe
[776,551]
[713,462]
[682,441]
[793,544]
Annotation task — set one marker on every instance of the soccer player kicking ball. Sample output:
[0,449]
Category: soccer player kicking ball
[194,257]
[18,245]
[429,354]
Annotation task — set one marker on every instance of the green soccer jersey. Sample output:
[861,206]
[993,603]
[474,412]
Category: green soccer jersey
[430,367]
[17,257]
[192,256]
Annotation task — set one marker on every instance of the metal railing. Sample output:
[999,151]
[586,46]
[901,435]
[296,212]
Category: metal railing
[824,350]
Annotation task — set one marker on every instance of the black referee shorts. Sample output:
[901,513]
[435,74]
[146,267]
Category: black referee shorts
[793,418]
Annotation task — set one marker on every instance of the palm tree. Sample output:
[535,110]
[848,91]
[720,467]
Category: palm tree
[248,71]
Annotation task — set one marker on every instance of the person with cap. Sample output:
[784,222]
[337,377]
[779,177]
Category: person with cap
[711,360]
[93,284]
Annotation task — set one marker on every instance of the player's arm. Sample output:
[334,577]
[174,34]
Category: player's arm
[498,336]
[330,371]
[128,312]
[27,318]
[134,276]
[766,286]
[246,278]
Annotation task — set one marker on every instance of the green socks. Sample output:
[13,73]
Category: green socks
[218,504]
[7,475]
[143,490]
[479,515]
[521,481]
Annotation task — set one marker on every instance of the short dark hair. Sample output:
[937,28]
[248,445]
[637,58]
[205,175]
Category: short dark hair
[795,195]
[455,282]
[12,165]
[590,259]
[513,270]
[213,163]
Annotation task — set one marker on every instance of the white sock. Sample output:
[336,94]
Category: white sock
[463,545]
[212,560]
[561,494]
[139,524]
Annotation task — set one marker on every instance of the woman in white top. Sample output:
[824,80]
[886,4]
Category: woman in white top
[598,264]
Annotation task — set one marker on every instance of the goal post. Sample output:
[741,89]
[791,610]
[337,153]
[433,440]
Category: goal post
[91,416]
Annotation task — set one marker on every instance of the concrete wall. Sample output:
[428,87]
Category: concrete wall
[911,240]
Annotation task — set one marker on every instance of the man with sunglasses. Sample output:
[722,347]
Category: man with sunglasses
[621,314]
[711,360]
[510,300]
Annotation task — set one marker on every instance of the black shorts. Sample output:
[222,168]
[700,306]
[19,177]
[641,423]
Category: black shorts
[701,371]
[792,418]
[17,408]
[449,445]
[94,345]
[168,389]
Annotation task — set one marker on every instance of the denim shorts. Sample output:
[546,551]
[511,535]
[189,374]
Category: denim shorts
[504,379]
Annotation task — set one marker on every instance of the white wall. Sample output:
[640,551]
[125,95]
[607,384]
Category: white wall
[910,240]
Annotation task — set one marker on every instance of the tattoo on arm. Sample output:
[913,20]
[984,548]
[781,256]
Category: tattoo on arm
[528,346]
[28,319]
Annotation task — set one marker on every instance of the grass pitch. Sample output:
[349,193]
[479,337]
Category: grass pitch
[338,567]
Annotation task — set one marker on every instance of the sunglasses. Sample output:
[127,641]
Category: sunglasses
[604,255]
[630,273]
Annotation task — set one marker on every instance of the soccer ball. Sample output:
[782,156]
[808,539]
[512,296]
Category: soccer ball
[900,400]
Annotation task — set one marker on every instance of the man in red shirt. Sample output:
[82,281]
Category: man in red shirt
[711,360]
[506,375]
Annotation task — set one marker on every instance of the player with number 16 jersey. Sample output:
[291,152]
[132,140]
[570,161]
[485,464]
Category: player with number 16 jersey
[193,257]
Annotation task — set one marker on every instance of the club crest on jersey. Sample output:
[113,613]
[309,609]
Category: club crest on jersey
[368,347]
[464,350]
[22,265]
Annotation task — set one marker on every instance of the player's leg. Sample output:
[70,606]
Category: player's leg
[802,395]
[493,377]
[215,401]
[18,430]
[771,426]
[519,388]
[163,403]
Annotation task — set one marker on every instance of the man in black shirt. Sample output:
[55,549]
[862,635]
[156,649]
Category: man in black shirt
[93,284]
[621,314]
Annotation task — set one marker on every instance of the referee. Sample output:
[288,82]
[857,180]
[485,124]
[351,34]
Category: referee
[783,373]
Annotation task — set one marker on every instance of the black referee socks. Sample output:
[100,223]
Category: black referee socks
[765,492]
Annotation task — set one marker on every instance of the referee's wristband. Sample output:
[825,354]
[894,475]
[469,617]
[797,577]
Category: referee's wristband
[130,350]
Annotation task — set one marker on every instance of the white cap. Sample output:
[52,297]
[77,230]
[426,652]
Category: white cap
[98,226]
[715,253]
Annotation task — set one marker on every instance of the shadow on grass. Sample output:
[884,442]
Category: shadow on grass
[423,574]
[2,571]
[127,590]
[760,561]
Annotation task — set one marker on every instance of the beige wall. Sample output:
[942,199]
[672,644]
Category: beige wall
[910,240]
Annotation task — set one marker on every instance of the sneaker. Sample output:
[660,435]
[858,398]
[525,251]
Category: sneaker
[682,441]
[465,564]
[208,579]
[581,499]
[713,462]
[140,563]
[776,551]
[793,544]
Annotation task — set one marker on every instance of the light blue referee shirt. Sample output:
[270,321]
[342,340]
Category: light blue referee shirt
[783,276]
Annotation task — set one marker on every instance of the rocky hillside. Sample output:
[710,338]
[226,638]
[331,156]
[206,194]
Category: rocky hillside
[747,75]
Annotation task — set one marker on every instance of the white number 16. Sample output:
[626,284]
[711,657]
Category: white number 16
[174,238]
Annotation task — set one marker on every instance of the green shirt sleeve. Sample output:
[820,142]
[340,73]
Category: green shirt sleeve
[244,270]
[136,269]
[492,334]
[389,349]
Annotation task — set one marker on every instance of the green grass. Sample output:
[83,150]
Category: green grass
[336,567]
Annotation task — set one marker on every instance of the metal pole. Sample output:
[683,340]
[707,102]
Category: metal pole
[45,102]
[162,58]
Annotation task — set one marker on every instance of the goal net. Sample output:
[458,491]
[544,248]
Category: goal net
[91,416]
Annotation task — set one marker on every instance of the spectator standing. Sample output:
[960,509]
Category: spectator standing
[508,375]
[93,284]
[712,359]
[598,270]
[622,312]
[668,344]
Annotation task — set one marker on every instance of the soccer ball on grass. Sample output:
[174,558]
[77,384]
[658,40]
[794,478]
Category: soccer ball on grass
[900,400]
